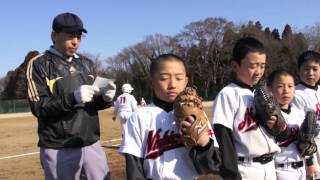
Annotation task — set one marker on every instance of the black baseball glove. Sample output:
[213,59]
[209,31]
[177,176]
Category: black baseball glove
[266,107]
[307,132]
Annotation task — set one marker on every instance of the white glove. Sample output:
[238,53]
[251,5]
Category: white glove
[85,93]
[109,92]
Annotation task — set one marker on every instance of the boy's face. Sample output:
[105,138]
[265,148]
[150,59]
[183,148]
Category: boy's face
[251,68]
[283,89]
[169,80]
[309,72]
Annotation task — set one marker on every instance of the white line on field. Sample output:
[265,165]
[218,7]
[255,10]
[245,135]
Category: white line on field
[37,152]
[19,155]
[112,146]
[111,140]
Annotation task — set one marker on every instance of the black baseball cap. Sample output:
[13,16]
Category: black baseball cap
[68,22]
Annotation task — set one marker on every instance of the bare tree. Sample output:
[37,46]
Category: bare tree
[203,41]
[2,84]
[96,60]
[312,35]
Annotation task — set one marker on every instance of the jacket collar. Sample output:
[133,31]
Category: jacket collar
[56,52]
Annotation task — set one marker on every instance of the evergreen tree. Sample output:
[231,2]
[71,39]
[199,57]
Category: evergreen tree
[287,32]
[267,32]
[275,34]
[258,25]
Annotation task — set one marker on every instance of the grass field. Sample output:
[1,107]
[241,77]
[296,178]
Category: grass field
[19,157]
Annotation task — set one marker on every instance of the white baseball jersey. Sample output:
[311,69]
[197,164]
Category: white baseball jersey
[307,98]
[289,151]
[125,105]
[234,109]
[152,134]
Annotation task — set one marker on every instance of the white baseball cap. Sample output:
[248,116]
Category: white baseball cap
[127,88]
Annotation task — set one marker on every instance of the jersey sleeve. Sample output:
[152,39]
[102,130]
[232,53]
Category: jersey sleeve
[229,167]
[133,141]
[134,167]
[206,159]
[223,110]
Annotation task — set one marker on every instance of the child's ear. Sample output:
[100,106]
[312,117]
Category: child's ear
[234,65]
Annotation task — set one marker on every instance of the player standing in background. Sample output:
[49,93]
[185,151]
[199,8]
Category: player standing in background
[66,105]
[308,95]
[247,150]
[289,162]
[151,143]
[125,105]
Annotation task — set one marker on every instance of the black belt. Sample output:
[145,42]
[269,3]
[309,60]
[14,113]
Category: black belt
[294,165]
[263,159]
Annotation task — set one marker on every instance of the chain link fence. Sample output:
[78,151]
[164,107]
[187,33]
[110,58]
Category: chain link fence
[14,106]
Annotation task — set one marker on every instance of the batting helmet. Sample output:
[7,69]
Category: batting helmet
[127,88]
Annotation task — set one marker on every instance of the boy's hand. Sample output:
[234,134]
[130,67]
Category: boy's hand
[268,110]
[194,132]
[191,120]
[185,131]
[271,122]
[310,171]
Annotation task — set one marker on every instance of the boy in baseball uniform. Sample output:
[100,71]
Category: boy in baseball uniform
[289,162]
[151,143]
[125,105]
[247,150]
[308,95]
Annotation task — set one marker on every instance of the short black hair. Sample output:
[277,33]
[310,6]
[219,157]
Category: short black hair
[277,73]
[308,55]
[163,57]
[246,45]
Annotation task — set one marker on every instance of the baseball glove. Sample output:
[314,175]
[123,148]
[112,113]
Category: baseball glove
[188,103]
[307,132]
[266,107]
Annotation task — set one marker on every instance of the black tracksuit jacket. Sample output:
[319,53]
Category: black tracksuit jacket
[62,122]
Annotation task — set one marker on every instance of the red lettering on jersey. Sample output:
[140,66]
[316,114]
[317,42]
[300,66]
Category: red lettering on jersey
[122,100]
[249,122]
[318,111]
[157,145]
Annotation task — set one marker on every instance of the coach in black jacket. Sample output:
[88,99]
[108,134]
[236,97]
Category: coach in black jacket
[66,104]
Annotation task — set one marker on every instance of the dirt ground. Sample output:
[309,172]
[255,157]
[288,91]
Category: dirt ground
[19,157]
